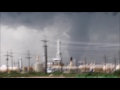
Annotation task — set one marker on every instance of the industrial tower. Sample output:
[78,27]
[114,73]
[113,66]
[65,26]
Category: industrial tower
[20,63]
[58,54]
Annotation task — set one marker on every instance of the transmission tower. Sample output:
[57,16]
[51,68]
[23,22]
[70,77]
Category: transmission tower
[115,61]
[119,58]
[28,57]
[105,58]
[85,63]
[7,60]
[45,53]
[11,59]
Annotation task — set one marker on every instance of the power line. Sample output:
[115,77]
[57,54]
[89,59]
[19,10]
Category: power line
[88,43]
[19,53]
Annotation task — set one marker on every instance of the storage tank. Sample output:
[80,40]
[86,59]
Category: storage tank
[108,68]
[118,67]
[4,69]
[38,67]
[25,69]
[20,62]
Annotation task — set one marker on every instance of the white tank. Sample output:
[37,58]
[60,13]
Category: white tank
[108,67]
[20,62]
[71,63]
[118,67]
[38,67]
[3,69]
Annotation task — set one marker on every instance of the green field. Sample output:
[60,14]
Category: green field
[110,76]
[57,74]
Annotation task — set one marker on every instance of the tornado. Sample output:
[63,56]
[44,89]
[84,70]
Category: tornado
[79,33]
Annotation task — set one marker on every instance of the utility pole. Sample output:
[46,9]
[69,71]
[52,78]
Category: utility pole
[18,64]
[7,60]
[77,62]
[114,62]
[28,60]
[61,63]
[105,58]
[14,63]
[85,64]
[119,59]
[45,54]
[11,59]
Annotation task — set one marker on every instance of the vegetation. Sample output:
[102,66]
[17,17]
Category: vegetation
[17,74]
[72,74]
[117,72]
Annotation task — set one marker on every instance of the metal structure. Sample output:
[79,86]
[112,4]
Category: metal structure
[11,59]
[58,54]
[7,60]
[20,63]
[16,63]
[119,59]
[28,60]
[45,54]
[74,62]
[37,59]
[114,61]
[85,63]
[105,58]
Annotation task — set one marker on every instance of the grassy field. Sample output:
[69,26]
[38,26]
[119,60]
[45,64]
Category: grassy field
[59,74]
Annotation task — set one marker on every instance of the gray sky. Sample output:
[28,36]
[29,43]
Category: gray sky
[81,33]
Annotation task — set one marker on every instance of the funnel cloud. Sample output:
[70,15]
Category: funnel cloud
[80,34]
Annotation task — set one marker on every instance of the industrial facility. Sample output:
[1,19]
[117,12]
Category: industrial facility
[56,64]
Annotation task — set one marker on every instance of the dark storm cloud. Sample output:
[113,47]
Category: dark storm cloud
[34,20]
[79,31]
[80,24]
[113,13]
[39,20]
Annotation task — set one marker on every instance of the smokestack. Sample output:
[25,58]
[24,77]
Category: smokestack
[71,59]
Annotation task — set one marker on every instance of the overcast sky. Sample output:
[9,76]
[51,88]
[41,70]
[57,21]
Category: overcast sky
[81,33]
